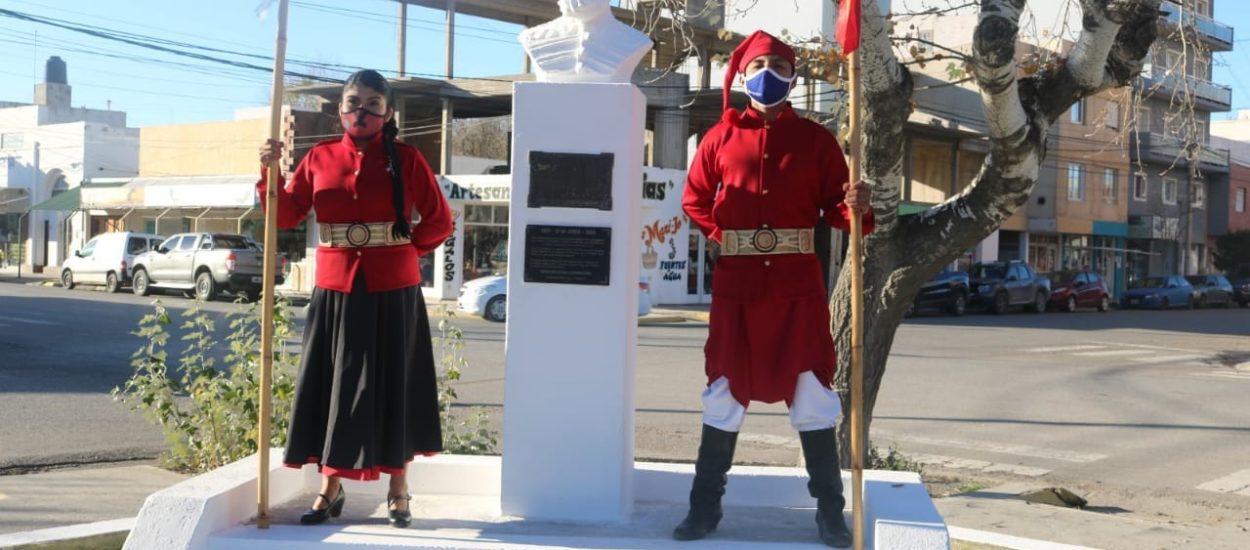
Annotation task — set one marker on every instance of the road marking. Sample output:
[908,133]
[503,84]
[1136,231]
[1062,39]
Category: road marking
[1146,346]
[1166,358]
[28,321]
[1000,448]
[773,440]
[1058,349]
[1236,483]
[1226,375]
[980,465]
[1114,353]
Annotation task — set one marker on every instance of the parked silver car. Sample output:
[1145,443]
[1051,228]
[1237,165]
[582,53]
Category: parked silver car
[107,259]
[203,264]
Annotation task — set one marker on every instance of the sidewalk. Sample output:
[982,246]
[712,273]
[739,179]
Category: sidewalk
[9,275]
[69,500]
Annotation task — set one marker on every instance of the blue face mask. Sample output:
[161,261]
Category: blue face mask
[768,88]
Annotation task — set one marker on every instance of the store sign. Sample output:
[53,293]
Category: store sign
[479,192]
[449,249]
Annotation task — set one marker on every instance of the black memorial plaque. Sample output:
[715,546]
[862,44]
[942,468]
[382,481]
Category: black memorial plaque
[570,180]
[568,255]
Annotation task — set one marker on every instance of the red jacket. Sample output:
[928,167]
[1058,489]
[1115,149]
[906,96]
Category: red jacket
[343,184]
[769,318]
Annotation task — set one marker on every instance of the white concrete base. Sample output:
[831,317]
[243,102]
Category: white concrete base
[456,505]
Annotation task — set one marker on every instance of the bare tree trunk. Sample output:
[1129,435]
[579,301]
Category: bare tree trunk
[904,252]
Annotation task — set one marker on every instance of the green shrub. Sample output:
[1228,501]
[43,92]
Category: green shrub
[209,415]
[472,434]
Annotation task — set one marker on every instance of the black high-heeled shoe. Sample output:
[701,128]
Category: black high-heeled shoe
[400,518]
[314,516]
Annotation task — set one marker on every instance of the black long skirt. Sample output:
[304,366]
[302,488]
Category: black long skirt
[366,399]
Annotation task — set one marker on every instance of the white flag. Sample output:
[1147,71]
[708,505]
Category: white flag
[262,10]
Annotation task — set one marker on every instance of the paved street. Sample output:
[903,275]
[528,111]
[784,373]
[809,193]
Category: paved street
[1137,402]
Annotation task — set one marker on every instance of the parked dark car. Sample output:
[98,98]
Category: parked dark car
[947,291]
[1079,288]
[1159,292]
[1241,284]
[1211,290]
[999,286]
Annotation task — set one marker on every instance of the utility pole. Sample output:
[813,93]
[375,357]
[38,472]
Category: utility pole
[403,38]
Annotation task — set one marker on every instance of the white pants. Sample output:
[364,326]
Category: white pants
[814,406]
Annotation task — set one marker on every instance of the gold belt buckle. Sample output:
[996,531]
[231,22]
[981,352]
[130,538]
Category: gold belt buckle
[357,234]
[764,240]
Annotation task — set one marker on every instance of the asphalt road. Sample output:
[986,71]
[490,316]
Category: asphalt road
[1143,400]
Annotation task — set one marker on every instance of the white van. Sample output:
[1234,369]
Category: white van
[107,259]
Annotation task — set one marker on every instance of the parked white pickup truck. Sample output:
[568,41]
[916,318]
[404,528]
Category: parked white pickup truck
[203,265]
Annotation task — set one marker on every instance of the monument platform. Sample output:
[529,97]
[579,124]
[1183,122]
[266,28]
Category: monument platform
[456,506]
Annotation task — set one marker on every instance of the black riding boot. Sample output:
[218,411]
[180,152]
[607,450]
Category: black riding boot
[820,451]
[716,455]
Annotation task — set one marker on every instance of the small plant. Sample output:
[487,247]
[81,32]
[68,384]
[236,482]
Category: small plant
[471,435]
[209,415]
[972,487]
[893,460]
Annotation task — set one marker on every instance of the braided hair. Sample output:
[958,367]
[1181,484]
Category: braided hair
[390,132]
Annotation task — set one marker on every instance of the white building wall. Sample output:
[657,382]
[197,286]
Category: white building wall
[69,143]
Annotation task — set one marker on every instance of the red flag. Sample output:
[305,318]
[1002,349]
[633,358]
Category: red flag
[848,25]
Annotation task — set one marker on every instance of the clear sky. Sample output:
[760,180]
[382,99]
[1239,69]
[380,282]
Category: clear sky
[159,88]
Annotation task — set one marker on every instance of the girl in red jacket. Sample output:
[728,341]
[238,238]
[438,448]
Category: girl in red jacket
[366,400]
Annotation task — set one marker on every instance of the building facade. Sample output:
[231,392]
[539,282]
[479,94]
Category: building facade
[47,148]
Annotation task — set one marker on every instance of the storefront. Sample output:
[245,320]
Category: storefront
[673,255]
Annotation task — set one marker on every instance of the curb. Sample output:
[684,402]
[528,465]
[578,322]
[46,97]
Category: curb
[1008,541]
[82,535]
[86,535]
[660,320]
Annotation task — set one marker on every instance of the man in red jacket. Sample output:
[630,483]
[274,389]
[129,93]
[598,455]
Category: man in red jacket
[760,182]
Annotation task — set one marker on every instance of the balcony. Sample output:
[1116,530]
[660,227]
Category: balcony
[1208,96]
[1218,36]
[1168,150]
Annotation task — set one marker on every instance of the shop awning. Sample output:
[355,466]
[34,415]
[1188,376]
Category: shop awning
[67,201]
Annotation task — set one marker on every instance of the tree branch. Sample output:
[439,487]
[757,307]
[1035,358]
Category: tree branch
[1051,92]
[1088,59]
[886,100]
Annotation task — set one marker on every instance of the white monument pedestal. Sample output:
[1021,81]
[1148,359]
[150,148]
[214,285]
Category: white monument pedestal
[572,305]
[456,506]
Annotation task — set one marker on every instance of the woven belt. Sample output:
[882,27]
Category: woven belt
[765,241]
[357,235]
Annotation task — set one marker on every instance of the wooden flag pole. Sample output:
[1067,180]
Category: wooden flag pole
[857,319]
[271,264]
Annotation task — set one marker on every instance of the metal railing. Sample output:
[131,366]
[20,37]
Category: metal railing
[1205,25]
[1158,77]
[1169,148]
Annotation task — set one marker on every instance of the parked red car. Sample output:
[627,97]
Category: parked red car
[1073,289]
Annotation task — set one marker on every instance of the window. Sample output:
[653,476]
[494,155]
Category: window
[1200,126]
[1139,187]
[1078,112]
[136,245]
[89,249]
[1202,67]
[1113,115]
[1143,119]
[1203,7]
[188,242]
[1172,60]
[1110,186]
[1169,190]
[1076,182]
[11,141]
[1199,191]
[1241,199]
